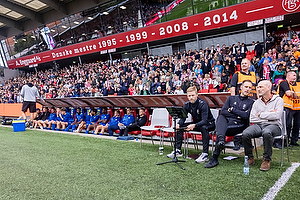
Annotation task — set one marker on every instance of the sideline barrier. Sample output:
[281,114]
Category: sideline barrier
[214,100]
[13,109]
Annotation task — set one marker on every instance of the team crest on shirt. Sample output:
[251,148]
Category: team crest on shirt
[244,106]
[290,5]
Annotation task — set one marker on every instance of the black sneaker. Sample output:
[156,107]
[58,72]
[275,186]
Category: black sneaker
[294,144]
[221,145]
[212,163]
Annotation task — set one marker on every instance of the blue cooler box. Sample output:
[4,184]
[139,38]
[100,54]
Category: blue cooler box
[18,125]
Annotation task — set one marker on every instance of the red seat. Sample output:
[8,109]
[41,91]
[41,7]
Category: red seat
[121,113]
[210,86]
[204,91]
[213,90]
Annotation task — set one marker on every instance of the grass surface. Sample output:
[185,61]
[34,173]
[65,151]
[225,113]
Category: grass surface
[186,9]
[46,165]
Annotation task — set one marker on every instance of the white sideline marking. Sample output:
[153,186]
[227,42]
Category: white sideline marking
[271,194]
[265,8]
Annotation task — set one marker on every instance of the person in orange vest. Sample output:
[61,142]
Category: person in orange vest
[289,90]
[238,78]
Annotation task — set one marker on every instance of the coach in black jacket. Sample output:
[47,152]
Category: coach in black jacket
[139,121]
[234,118]
[203,121]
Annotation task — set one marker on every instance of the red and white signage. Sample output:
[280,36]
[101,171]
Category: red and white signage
[228,16]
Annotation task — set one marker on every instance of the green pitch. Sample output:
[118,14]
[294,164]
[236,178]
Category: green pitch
[186,8]
[47,165]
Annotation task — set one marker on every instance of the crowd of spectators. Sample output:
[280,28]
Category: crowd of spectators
[211,67]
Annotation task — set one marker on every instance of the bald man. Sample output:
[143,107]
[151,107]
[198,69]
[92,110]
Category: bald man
[238,78]
[266,119]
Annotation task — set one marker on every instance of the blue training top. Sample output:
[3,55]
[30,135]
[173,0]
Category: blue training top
[127,119]
[104,116]
[52,116]
[79,117]
[114,120]
[94,118]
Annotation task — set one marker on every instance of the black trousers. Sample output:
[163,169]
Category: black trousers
[205,135]
[292,129]
[132,127]
[224,130]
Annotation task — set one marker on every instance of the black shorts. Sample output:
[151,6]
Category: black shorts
[29,104]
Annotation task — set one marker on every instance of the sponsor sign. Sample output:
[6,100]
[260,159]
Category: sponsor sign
[227,16]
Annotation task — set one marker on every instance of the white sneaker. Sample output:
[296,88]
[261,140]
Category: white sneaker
[202,158]
[178,154]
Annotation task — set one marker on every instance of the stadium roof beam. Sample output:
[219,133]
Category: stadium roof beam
[11,23]
[24,11]
[57,5]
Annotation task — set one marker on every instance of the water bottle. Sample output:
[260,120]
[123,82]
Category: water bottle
[161,150]
[246,166]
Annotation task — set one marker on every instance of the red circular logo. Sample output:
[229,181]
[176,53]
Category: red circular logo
[290,5]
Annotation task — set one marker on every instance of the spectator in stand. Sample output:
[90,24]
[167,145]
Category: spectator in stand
[278,74]
[244,50]
[296,54]
[239,57]
[139,121]
[258,50]
[269,41]
[295,40]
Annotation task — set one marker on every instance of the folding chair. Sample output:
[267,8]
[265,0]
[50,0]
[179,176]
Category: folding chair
[196,134]
[283,137]
[160,117]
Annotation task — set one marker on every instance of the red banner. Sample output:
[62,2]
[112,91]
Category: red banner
[232,15]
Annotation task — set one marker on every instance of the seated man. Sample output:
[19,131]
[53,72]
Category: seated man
[127,119]
[139,121]
[44,117]
[92,121]
[102,121]
[112,122]
[234,118]
[203,121]
[57,119]
[266,116]
[65,120]
[79,117]
[38,115]
[47,124]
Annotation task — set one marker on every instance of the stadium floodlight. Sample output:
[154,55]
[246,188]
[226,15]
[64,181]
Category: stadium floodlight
[105,13]
[123,7]
[63,26]
[76,22]
[90,18]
